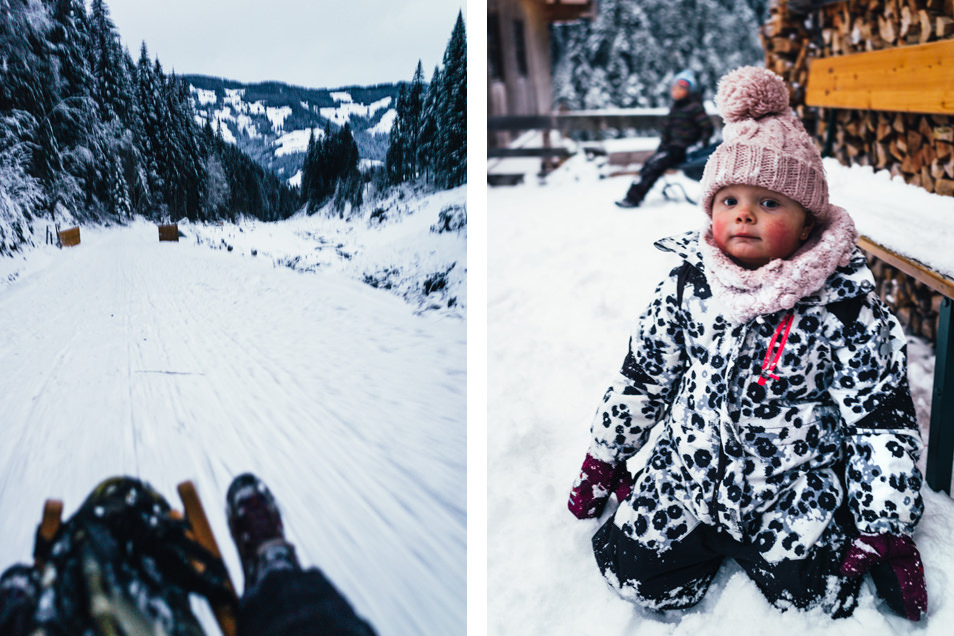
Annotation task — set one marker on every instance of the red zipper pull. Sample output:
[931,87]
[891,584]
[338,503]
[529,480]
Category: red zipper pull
[768,365]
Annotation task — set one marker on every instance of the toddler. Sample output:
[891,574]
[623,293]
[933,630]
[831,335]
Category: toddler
[776,381]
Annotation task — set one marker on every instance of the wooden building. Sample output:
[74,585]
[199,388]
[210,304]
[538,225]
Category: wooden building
[519,78]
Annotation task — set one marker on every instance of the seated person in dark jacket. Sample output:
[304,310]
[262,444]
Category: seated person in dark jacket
[686,124]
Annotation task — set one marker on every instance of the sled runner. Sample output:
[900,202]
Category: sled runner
[127,562]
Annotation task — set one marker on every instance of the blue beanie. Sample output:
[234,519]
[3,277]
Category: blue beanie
[689,78]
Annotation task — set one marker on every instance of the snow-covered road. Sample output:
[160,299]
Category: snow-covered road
[172,361]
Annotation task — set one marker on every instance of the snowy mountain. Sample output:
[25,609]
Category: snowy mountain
[271,121]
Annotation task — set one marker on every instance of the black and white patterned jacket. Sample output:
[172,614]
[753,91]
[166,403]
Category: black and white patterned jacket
[768,455]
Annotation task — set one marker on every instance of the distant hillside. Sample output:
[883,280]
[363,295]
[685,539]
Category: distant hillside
[271,121]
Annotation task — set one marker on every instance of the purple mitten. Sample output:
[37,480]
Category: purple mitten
[593,486]
[896,569]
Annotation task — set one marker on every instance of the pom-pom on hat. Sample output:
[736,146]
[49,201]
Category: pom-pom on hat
[764,143]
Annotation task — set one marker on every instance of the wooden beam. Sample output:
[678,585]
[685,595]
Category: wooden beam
[498,153]
[929,277]
[917,79]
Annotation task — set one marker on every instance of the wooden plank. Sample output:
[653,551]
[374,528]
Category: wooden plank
[225,613]
[497,153]
[169,232]
[917,79]
[911,267]
[70,237]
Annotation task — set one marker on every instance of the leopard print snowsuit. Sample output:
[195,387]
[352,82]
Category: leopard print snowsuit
[764,452]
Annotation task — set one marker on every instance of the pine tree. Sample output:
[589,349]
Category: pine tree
[112,81]
[628,55]
[414,108]
[451,168]
[430,114]
[396,158]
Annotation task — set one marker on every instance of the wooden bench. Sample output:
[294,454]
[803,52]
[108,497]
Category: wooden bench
[916,79]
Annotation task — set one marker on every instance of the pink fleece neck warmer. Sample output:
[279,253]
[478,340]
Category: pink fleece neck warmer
[779,284]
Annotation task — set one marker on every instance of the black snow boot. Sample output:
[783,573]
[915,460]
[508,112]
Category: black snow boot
[256,526]
[634,196]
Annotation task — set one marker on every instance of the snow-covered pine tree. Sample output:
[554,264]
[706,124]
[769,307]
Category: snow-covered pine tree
[451,155]
[101,135]
[396,158]
[628,55]
[429,135]
[415,104]
[113,85]
[430,112]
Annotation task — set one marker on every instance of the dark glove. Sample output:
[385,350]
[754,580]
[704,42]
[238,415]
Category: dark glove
[592,488]
[896,569]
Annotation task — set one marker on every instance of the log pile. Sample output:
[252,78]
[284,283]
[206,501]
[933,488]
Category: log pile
[917,147]
[916,305]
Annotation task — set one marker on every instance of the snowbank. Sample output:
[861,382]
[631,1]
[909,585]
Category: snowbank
[410,242]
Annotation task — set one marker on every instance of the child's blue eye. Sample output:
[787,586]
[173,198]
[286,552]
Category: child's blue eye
[729,201]
[770,204]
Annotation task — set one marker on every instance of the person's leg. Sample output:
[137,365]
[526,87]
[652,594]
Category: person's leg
[297,602]
[674,579]
[661,160]
[815,581]
[280,598]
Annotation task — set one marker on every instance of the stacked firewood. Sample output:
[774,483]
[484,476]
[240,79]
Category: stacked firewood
[916,305]
[917,147]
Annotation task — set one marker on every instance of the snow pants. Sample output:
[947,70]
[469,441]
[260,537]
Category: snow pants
[663,159]
[297,603]
[679,577]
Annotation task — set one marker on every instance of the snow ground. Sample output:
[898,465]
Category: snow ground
[174,361]
[390,242]
[568,273]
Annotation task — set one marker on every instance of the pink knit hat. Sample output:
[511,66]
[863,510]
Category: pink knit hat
[764,144]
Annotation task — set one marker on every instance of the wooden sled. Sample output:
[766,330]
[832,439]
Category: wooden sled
[194,514]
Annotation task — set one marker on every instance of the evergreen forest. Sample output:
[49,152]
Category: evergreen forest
[629,53]
[89,134]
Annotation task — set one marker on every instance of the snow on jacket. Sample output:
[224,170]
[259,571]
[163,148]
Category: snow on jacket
[768,456]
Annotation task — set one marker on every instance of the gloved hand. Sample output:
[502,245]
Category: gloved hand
[896,568]
[592,488]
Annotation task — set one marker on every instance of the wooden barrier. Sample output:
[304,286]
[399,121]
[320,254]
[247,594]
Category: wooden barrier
[169,232]
[913,79]
[70,237]
[903,79]
[940,451]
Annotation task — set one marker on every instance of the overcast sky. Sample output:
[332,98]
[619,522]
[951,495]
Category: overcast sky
[310,43]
